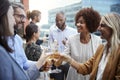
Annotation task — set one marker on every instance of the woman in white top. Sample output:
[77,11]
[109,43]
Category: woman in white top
[83,45]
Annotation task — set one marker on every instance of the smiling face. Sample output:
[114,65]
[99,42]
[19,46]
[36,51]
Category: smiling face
[106,31]
[81,25]
[20,17]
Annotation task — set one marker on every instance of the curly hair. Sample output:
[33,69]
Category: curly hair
[92,18]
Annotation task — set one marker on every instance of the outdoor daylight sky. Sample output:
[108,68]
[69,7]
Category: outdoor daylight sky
[45,5]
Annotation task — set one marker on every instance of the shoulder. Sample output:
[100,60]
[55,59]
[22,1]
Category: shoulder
[2,51]
[74,37]
[95,37]
[33,46]
[70,28]
[52,28]
[17,37]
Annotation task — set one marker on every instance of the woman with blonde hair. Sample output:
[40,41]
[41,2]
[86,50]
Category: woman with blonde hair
[105,64]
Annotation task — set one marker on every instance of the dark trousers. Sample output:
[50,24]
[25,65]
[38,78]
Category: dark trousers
[62,75]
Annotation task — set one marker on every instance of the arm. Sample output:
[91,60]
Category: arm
[117,76]
[33,71]
[83,68]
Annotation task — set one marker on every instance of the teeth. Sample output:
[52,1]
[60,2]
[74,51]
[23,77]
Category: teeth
[78,28]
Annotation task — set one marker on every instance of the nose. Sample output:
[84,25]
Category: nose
[58,22]
[99,27]
[78,24]
[23,20]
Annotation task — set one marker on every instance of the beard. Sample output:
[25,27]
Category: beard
[17,27]
[61,26]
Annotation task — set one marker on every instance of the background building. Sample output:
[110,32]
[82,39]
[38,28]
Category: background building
[102,6]
[69,11]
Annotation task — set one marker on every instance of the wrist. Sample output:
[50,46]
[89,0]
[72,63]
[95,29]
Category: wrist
[70,61]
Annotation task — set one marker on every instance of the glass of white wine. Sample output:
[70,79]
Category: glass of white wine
[55,56]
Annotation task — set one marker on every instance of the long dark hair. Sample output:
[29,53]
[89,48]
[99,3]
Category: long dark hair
[4,31]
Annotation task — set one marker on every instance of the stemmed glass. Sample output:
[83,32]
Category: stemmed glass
[54,58]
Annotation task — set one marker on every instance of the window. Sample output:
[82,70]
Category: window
[16,1]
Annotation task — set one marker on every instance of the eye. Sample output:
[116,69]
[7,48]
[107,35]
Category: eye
[103,25]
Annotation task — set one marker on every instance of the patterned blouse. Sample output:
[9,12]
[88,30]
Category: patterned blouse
[33,51]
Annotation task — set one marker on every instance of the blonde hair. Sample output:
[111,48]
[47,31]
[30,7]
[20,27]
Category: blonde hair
[113,21]
[31,15]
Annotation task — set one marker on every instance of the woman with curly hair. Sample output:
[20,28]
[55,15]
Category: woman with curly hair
[105,64]
[83,45]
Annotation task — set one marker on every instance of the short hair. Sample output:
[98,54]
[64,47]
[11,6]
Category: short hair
[33,14]
[30,30]
[92,18]
[61,12]
[17,5]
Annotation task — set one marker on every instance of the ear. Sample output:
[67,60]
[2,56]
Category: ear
[34,34]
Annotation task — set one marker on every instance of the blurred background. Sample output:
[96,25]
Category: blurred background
[49,8]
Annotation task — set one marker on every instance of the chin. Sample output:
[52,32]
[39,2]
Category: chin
[102,37]
[79,31]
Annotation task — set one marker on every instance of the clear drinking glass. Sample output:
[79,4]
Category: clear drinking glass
[55,56]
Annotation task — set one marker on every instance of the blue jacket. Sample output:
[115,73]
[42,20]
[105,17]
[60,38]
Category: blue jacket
[10,70]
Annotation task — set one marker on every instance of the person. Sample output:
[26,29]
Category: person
[18,54]
[105,64]
[35,17]
[9,68]
[60,32]
[32,50]
[83,45]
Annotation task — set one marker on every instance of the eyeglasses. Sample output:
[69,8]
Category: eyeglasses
[20,16]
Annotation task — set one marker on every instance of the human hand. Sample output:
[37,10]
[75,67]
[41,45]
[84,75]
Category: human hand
[47,65]
[64,41]
[66,58]
[44,39]
[42,59]
[61,58]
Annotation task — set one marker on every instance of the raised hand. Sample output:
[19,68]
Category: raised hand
[65,58]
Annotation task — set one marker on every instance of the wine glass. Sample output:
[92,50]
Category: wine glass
[55,56]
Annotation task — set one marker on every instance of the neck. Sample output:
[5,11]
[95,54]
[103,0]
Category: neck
[85,37]
[32,41]
[63,27]
[34,21]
